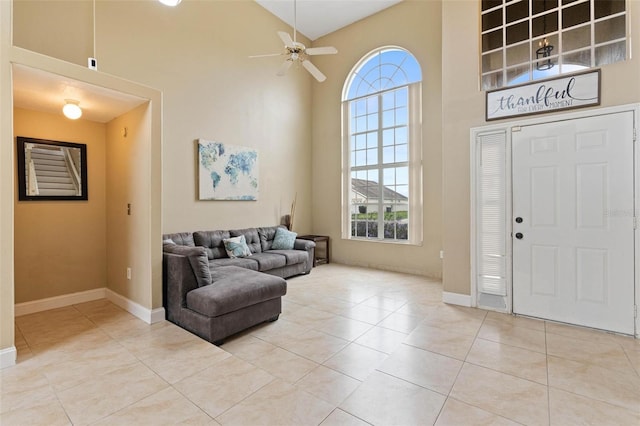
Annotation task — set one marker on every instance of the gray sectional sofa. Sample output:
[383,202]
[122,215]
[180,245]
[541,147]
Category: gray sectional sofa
[215,296]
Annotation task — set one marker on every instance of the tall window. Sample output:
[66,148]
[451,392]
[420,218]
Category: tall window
[382,184]
[525,40]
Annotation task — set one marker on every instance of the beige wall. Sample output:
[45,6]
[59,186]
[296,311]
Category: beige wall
[415,26]
[197,54]
[39,30]
[60,246]
[6,185]
[128,169]
[463,108]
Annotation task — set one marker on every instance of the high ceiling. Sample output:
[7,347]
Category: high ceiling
[42,91]
[316,18]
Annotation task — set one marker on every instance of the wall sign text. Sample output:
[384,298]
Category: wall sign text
[566,92]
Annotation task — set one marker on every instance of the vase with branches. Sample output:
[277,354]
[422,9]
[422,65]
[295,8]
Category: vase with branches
[287,220]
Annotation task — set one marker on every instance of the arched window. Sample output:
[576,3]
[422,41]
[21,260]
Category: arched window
[382,148]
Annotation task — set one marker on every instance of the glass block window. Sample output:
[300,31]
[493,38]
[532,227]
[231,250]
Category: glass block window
[524,40]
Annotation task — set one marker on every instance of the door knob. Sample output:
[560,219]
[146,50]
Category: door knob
[518,220]
[519,235]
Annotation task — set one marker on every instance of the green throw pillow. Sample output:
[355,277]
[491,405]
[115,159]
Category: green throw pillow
[236,247]
[283,240]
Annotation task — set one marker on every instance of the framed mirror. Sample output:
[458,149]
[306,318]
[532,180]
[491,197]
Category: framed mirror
[51,170]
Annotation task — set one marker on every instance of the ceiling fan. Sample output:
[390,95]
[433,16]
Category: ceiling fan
[297,52]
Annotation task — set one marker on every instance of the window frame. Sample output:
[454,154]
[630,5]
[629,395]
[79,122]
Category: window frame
[495,61]
[413,161]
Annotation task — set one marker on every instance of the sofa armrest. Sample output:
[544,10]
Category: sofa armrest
[310,247]
[303,244]
[178,280]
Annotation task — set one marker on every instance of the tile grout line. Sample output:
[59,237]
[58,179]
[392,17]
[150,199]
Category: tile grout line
[140,361]
[302,356]
[460,370]
[633,367]
[245,398]
[546,360]
[588,397]
[194,403]
[171,385]
[480,366]
[56,392]
[344,411]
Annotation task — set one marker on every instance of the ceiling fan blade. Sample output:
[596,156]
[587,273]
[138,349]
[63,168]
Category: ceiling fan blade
[286,39]
[284,67]
[328,50]
[314,71]
[267,55]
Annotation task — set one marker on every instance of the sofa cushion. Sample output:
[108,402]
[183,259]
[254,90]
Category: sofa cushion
[283,240]
[251,237]
[220,273]
[235,290]
[197,258]
[212,241]
[242,262]
[268,261]
[293,257]
[267,234]
[236,247]
[181,238]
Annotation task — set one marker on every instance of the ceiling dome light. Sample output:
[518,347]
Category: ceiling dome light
[71,109]
[171,3]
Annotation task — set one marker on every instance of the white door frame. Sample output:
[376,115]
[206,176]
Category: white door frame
[508,127]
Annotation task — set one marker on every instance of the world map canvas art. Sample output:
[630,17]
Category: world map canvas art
[227,172]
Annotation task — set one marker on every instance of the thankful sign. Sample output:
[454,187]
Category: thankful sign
[567,92]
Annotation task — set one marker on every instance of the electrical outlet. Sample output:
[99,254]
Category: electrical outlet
[441,254]
[128,273]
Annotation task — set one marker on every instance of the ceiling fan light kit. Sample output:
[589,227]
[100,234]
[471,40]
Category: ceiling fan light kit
[297,52]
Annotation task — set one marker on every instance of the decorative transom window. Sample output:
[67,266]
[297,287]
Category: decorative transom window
[525,40]
[382,148]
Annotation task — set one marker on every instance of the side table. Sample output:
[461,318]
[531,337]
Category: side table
[319,258]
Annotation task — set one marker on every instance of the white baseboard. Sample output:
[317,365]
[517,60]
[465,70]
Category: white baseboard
[456,299]
[157,315]
[389,268]
[8,357]
[147,315]
[58,301]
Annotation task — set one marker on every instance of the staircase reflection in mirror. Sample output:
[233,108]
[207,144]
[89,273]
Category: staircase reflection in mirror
[51,170]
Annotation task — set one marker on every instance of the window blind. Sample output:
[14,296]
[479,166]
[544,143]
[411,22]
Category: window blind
[491,226]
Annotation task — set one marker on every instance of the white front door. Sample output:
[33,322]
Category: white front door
[573,208]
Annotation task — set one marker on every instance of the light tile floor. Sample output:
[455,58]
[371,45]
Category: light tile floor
[352,347]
